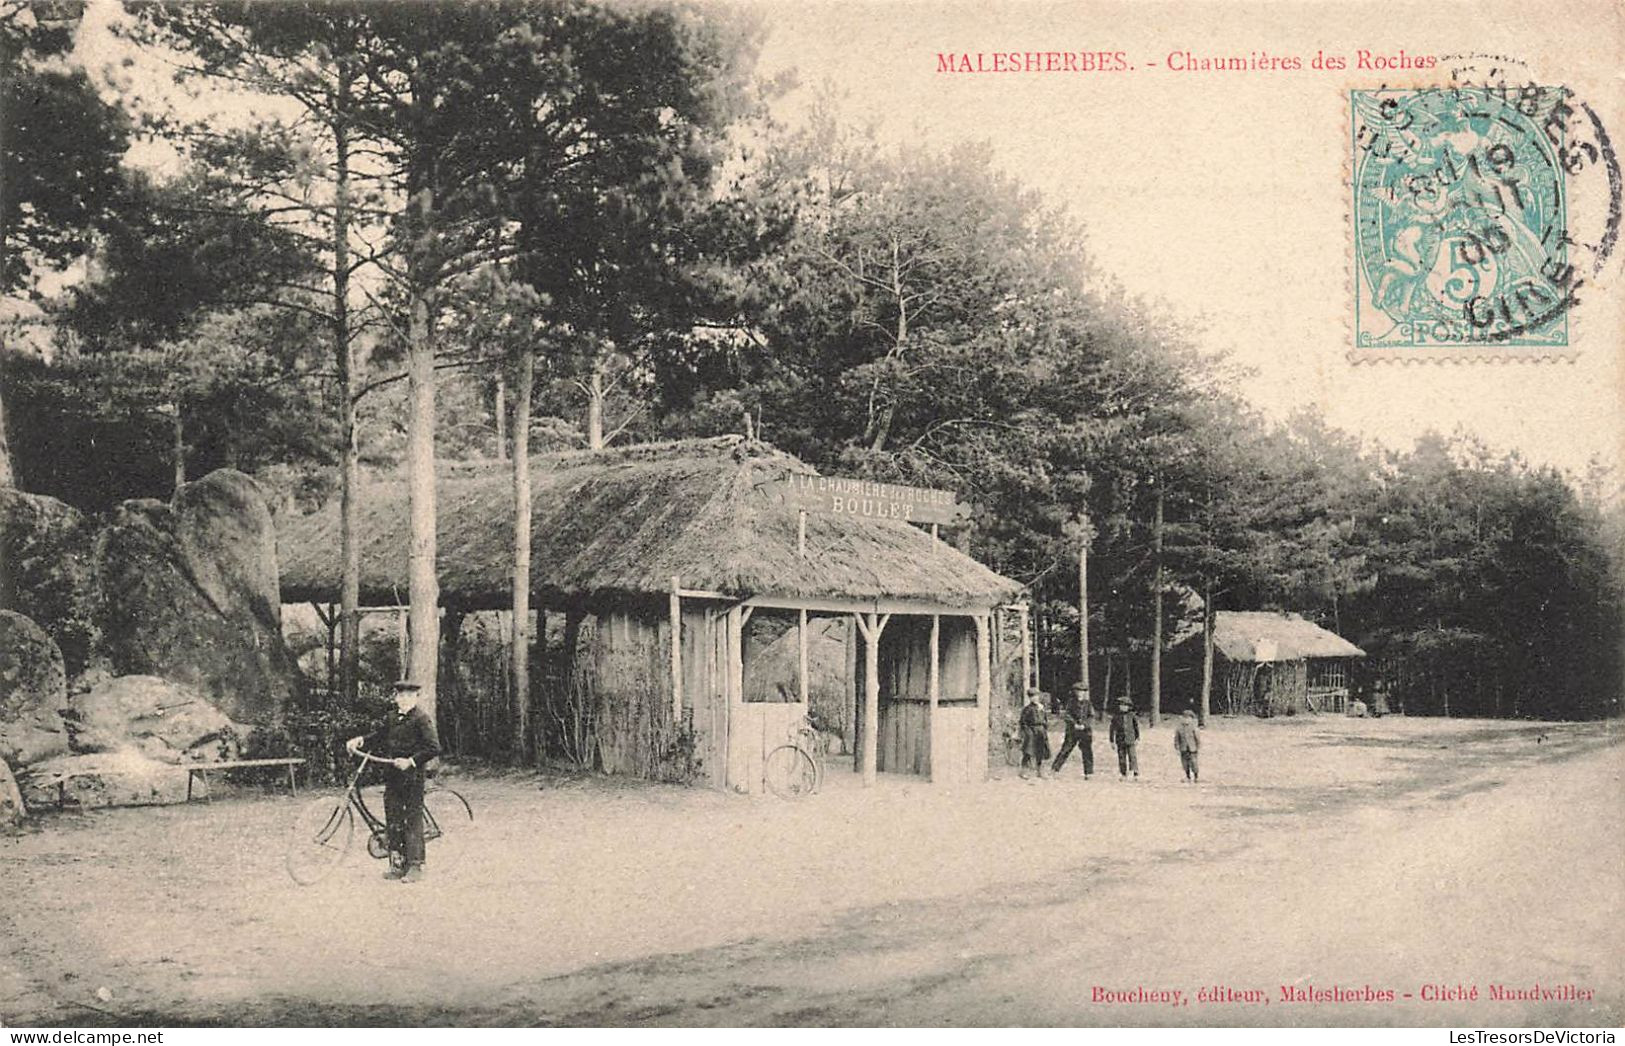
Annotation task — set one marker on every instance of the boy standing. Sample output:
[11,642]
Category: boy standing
[1034,733]
[1125,737]
[1187,742]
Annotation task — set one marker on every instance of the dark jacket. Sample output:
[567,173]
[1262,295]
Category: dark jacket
[1079,716]
[1035,731]
[1186,739]
[1125,729]
[412,736]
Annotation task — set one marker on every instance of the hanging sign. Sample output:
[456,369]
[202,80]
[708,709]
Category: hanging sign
[866,499]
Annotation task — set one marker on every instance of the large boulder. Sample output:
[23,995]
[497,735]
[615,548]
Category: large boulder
[163,720]
[12,809]
[190,593]
[228,541]
[33,691]
[46,571]
[123,778]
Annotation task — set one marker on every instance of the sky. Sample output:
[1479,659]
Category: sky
[1225,194]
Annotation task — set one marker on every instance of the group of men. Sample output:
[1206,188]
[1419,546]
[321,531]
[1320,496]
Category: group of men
[1078,713]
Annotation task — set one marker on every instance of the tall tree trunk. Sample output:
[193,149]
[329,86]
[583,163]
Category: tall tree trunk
[1128,673]
[1083,611]
[7,478]
[595,404]
[177,429]
[888,414]
[501,413]
[520,639]
[330,620]
[1207,655]
[1156,612]
[344,359]
[423,584]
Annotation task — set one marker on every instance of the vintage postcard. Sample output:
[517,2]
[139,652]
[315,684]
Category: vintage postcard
[837,514]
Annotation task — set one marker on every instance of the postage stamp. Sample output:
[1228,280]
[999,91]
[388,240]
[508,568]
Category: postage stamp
[1460,214]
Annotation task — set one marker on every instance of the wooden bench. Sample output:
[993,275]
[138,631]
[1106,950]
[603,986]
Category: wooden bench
[200,772]
[195,772]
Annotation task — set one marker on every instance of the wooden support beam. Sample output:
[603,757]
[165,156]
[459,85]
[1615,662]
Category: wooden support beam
[703,593]
[984,686]
[1029,678]
[801,655]
[734,689]
[859,606]
[872,629]
[934,690]
[676,653]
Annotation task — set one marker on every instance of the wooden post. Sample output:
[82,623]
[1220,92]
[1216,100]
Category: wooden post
[330,619]
[1027,679]
[872,625]
[676,653]
[934,689]
[801,654]
[855,631]
[735,687]
[984,685]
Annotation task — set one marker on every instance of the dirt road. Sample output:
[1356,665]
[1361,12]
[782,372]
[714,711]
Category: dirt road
[1420,858]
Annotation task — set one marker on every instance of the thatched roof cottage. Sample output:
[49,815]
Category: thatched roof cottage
[690,564]
[1276,663]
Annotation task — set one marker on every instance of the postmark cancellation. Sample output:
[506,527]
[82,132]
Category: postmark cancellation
[1460,214]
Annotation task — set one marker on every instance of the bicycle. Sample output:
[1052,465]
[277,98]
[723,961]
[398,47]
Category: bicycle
[326,826]
[796,768]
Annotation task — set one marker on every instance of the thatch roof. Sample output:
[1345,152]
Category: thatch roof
[622,523]
[1257,635]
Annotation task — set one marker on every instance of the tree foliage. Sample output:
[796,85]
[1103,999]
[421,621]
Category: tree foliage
[61,146]
[597,189]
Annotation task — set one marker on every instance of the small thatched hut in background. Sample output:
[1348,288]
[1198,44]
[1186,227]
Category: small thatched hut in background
[681,573]
[1271,663]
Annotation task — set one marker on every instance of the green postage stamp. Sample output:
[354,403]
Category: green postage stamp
[1461,238]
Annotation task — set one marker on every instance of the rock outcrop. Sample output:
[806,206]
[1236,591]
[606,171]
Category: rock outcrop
[122,778]
[163,720]
[46,571]
[33,691]
[190,593]
[12,809]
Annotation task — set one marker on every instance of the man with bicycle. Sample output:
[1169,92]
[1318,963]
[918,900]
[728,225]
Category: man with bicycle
[408,740]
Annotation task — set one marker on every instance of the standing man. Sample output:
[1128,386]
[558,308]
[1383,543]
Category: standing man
[1187,742]
[1125,737]
[1080,731]
[409,740]
[1034,733]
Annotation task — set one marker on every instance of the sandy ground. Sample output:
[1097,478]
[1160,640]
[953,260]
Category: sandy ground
[1417,857]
